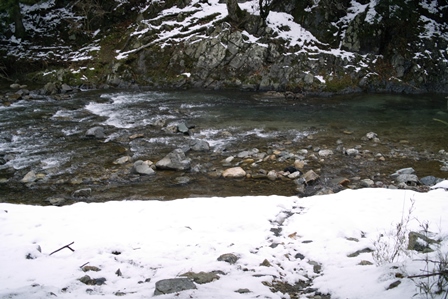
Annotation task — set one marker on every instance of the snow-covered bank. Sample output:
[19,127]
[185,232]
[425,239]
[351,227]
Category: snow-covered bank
[159,240]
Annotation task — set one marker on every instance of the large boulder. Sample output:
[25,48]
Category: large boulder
[176,160]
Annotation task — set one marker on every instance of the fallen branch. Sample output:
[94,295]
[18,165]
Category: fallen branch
[439,120]
[66,246]
[443,273]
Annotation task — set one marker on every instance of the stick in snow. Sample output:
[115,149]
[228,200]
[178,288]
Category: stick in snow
[66,246]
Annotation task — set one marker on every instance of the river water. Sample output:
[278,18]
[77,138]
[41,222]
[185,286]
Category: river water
[47,136]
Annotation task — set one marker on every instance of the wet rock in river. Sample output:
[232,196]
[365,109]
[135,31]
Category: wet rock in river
[408,170]
[29,177]
[176,160]
[82,193]
[96,132]
[351,152]
[309,177]
[182,128]
[123,160]
[199,145]
[371,135]
[272,175]
[249,153]
[143,167]
[408,179]
[325,153]
[367,183]
[234,172]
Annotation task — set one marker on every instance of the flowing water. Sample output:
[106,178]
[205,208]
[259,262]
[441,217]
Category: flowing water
[48,136]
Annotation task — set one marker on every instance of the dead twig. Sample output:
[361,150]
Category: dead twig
[66,246]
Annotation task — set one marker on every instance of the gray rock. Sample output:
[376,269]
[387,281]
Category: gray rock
[56,201]
[201,277]
[82,193]
[325,153]
[86,279]
[182,128]
[234,172]
[409,179]
[143,167]
[182,180]
[351,152]
[371,135]
[123,160]
[408,170]
[176,160]
[51,88]
[272,175]
[249,153]
[29,177]
[368,183]
[173,285]
[420,242]
[228,258]
[310,176]
[66,88]
[97,132]
[199,145]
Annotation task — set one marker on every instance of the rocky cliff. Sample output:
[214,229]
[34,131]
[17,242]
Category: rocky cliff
[300,46]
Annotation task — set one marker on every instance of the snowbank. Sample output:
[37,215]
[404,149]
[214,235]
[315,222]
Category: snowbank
[153,240]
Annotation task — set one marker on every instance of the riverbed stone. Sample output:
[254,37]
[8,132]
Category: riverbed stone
[408,170]
[96,132]
[173,285]
[182,128]
[234,172]
[371,135]
[123,160]
[409,179]
[351,152]
[176,160]
[199,145]
[143,167]
[272,175]
[310,176]
[325,153]
[82,193]
[367,183]
[29,177]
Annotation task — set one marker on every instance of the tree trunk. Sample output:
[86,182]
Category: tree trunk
[235,12]
[16,15]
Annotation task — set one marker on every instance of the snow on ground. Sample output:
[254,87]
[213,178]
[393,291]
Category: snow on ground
[158,240]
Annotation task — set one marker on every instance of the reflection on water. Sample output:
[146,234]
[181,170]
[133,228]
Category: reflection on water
[48,136]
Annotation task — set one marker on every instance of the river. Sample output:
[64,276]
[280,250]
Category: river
[47,136]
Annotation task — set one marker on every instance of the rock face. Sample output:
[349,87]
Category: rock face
[176,160]
[346,46]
